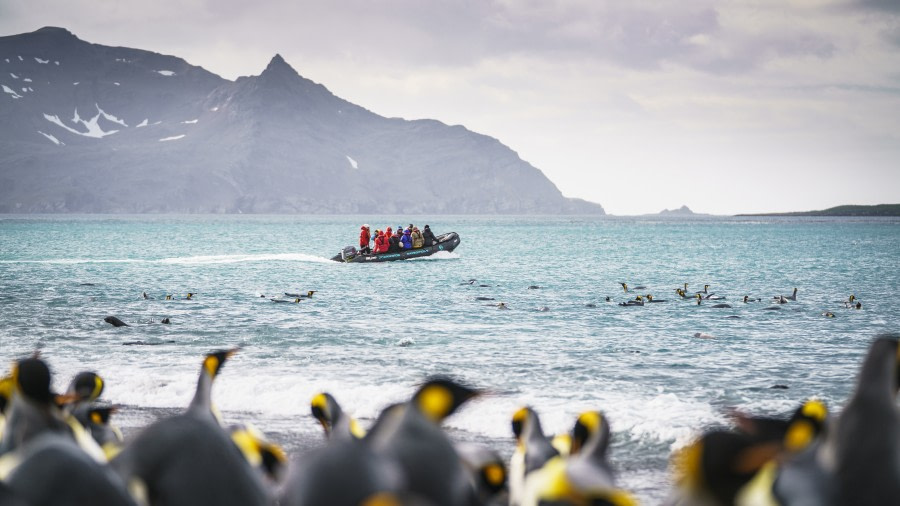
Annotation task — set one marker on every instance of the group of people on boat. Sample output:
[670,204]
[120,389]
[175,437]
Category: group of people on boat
[394,241]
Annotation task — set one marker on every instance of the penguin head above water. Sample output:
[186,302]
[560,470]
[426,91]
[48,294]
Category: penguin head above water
[439,397]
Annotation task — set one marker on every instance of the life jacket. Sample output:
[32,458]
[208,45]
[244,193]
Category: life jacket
[378,241]
[364,237]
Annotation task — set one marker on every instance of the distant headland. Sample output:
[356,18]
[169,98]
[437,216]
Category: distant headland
[848,210]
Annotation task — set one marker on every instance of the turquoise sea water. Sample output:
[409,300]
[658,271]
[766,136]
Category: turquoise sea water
[372,332]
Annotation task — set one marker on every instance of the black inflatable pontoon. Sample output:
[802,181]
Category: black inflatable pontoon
[445,242]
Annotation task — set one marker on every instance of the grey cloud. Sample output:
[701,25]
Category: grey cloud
[892,6]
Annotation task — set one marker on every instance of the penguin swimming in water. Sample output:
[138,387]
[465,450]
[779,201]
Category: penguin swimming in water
[411,436]
[638,301]
[307,295]
[189,458]
[784,298]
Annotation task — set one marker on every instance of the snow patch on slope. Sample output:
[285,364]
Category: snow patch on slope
[43,62]
[352,162]
[12,92]
[167,73]
[174,138]
[52,138]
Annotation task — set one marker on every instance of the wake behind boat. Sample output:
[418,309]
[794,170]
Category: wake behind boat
[444,242]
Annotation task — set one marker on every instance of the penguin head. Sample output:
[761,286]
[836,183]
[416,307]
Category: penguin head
[100,414]
[32,379]
[492,476]
[258,451]
[519,419]
[326,410]
[86,386]
[591,429]
[805,425]
[439,397]
[213,362]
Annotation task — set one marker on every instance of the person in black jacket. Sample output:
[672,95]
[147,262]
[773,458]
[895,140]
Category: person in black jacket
[429,236]
[394,243]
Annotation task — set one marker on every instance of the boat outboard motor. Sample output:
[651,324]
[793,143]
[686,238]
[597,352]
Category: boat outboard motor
[348,253]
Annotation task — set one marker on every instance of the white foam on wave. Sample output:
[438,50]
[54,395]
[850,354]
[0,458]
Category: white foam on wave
[440,255]
[662,418]
[233,259]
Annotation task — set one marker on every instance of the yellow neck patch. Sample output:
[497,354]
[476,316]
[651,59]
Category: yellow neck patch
[381,499]
[98,387]
[435,402]
[211,364]
[799,435]
[687,463]
[355,429]
[494,474]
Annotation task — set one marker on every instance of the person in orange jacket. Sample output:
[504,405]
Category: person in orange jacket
[364,238]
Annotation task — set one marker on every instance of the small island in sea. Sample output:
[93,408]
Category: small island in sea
[848,210]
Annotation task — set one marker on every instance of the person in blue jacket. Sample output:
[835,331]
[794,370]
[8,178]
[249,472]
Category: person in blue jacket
[406,241]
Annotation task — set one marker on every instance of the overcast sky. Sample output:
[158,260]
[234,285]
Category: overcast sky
[724,106]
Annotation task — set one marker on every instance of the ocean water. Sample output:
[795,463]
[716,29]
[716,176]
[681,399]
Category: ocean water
[373,332]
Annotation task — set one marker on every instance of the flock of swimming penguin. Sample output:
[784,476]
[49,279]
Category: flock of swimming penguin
[683,294]
[63,450]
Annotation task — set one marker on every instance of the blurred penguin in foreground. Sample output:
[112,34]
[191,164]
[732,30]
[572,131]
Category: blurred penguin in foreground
[806,460]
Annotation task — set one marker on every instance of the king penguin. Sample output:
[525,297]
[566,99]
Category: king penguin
[32,408]
[411,436]
[864,448]
[189,459]
[334,421]
[585,476]
[533,450]
[54,471]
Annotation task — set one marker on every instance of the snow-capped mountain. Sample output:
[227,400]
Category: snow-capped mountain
[91,128]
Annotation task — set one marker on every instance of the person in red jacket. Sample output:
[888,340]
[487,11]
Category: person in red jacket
[379,242]
[364,240]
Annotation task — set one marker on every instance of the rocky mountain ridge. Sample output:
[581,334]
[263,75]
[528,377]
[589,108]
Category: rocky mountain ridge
[98,129]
